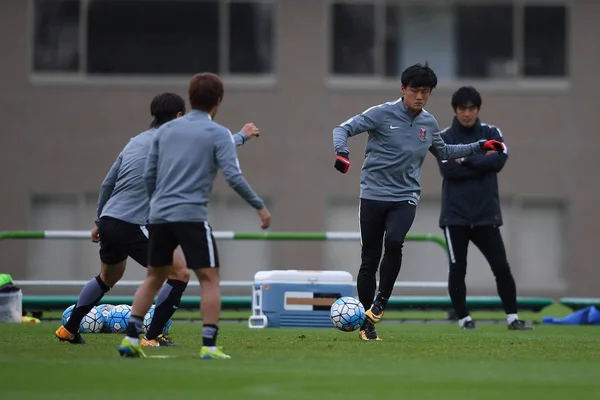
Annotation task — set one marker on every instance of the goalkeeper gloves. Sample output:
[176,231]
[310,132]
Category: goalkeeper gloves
[342,163]
[491,145]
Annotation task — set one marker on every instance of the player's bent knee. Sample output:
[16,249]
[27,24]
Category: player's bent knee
[180,274]
[501,269]
[156,276]
[179,270]
[394,247]
[111,274]
[208,275]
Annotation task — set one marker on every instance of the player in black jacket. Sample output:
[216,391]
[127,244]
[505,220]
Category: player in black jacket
[471,208]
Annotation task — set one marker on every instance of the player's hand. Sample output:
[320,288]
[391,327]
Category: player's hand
[491,145]
[265,218]
[251,130]
[95,235]
[342,162]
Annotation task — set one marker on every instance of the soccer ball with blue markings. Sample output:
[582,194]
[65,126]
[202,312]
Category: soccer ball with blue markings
[93,322]
[67,314]
[104,310]
[148,320]
[347,314]
[118,318]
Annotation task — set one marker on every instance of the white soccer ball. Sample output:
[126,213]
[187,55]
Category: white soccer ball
[347,314]
[93,322]
[148,321]
[148,318]
[104,310]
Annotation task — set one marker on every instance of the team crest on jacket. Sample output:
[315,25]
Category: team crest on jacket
[422,133]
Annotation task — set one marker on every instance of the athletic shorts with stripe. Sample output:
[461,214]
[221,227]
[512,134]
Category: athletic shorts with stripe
[120,239]
[196,241]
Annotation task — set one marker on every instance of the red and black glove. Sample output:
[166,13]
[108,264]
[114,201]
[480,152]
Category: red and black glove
[342,163]
[491,145]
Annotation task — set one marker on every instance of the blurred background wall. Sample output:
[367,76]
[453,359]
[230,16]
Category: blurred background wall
[77,77]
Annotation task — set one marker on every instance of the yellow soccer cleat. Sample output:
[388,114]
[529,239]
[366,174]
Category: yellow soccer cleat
[207,354]
[374,314]
[128,349]
[367,333]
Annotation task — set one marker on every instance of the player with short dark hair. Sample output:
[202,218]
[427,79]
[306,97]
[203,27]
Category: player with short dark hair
[180,172]
[401,133]
[122,215]
[471,208]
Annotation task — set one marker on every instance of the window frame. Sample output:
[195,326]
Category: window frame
[82,77]
[519,82]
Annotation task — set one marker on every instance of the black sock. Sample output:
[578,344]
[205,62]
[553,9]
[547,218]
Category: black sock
[209,335]
[381,302]
[167,302]
[90,295]
[135,326]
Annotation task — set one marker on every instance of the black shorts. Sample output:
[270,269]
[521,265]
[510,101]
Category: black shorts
[196,241]
[120,239]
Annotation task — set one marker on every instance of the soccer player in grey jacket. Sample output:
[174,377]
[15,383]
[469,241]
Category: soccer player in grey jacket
[180,172]
[401,133]
[122,216]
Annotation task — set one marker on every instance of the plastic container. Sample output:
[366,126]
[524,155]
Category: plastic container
[297,299]
[11,306]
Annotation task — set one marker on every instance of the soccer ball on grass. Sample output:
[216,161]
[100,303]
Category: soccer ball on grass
[347,314]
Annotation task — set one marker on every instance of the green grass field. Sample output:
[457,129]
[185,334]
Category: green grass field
[415,361]
[555,310]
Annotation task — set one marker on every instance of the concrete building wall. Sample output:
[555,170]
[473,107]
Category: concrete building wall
[59,138]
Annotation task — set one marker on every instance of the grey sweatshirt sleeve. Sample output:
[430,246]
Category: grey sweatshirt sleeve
[240,138]
[227,161]
[108,185]
[358,124]
[151,167]
[443,151]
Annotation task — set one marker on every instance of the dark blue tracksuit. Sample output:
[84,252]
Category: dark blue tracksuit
[471,213]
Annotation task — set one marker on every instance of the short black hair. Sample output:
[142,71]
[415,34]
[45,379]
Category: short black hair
[419,75]
[464,96]
[165,107]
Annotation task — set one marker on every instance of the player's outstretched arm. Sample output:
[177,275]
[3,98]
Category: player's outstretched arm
[248,132]
[227,161]
[151,167]
[108,185]
[444,151]
[358,124]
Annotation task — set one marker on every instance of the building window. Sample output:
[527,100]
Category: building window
[154,37]
[459,40]
[56,35]
[545,41]
[353,39]
[250,38]
[484,37]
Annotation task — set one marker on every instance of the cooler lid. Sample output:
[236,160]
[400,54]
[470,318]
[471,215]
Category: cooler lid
[303,276]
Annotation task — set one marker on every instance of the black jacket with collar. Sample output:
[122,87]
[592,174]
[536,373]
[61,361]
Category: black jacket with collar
[470,189]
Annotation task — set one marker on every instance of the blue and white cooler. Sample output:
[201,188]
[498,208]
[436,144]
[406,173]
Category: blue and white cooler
[294,298]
